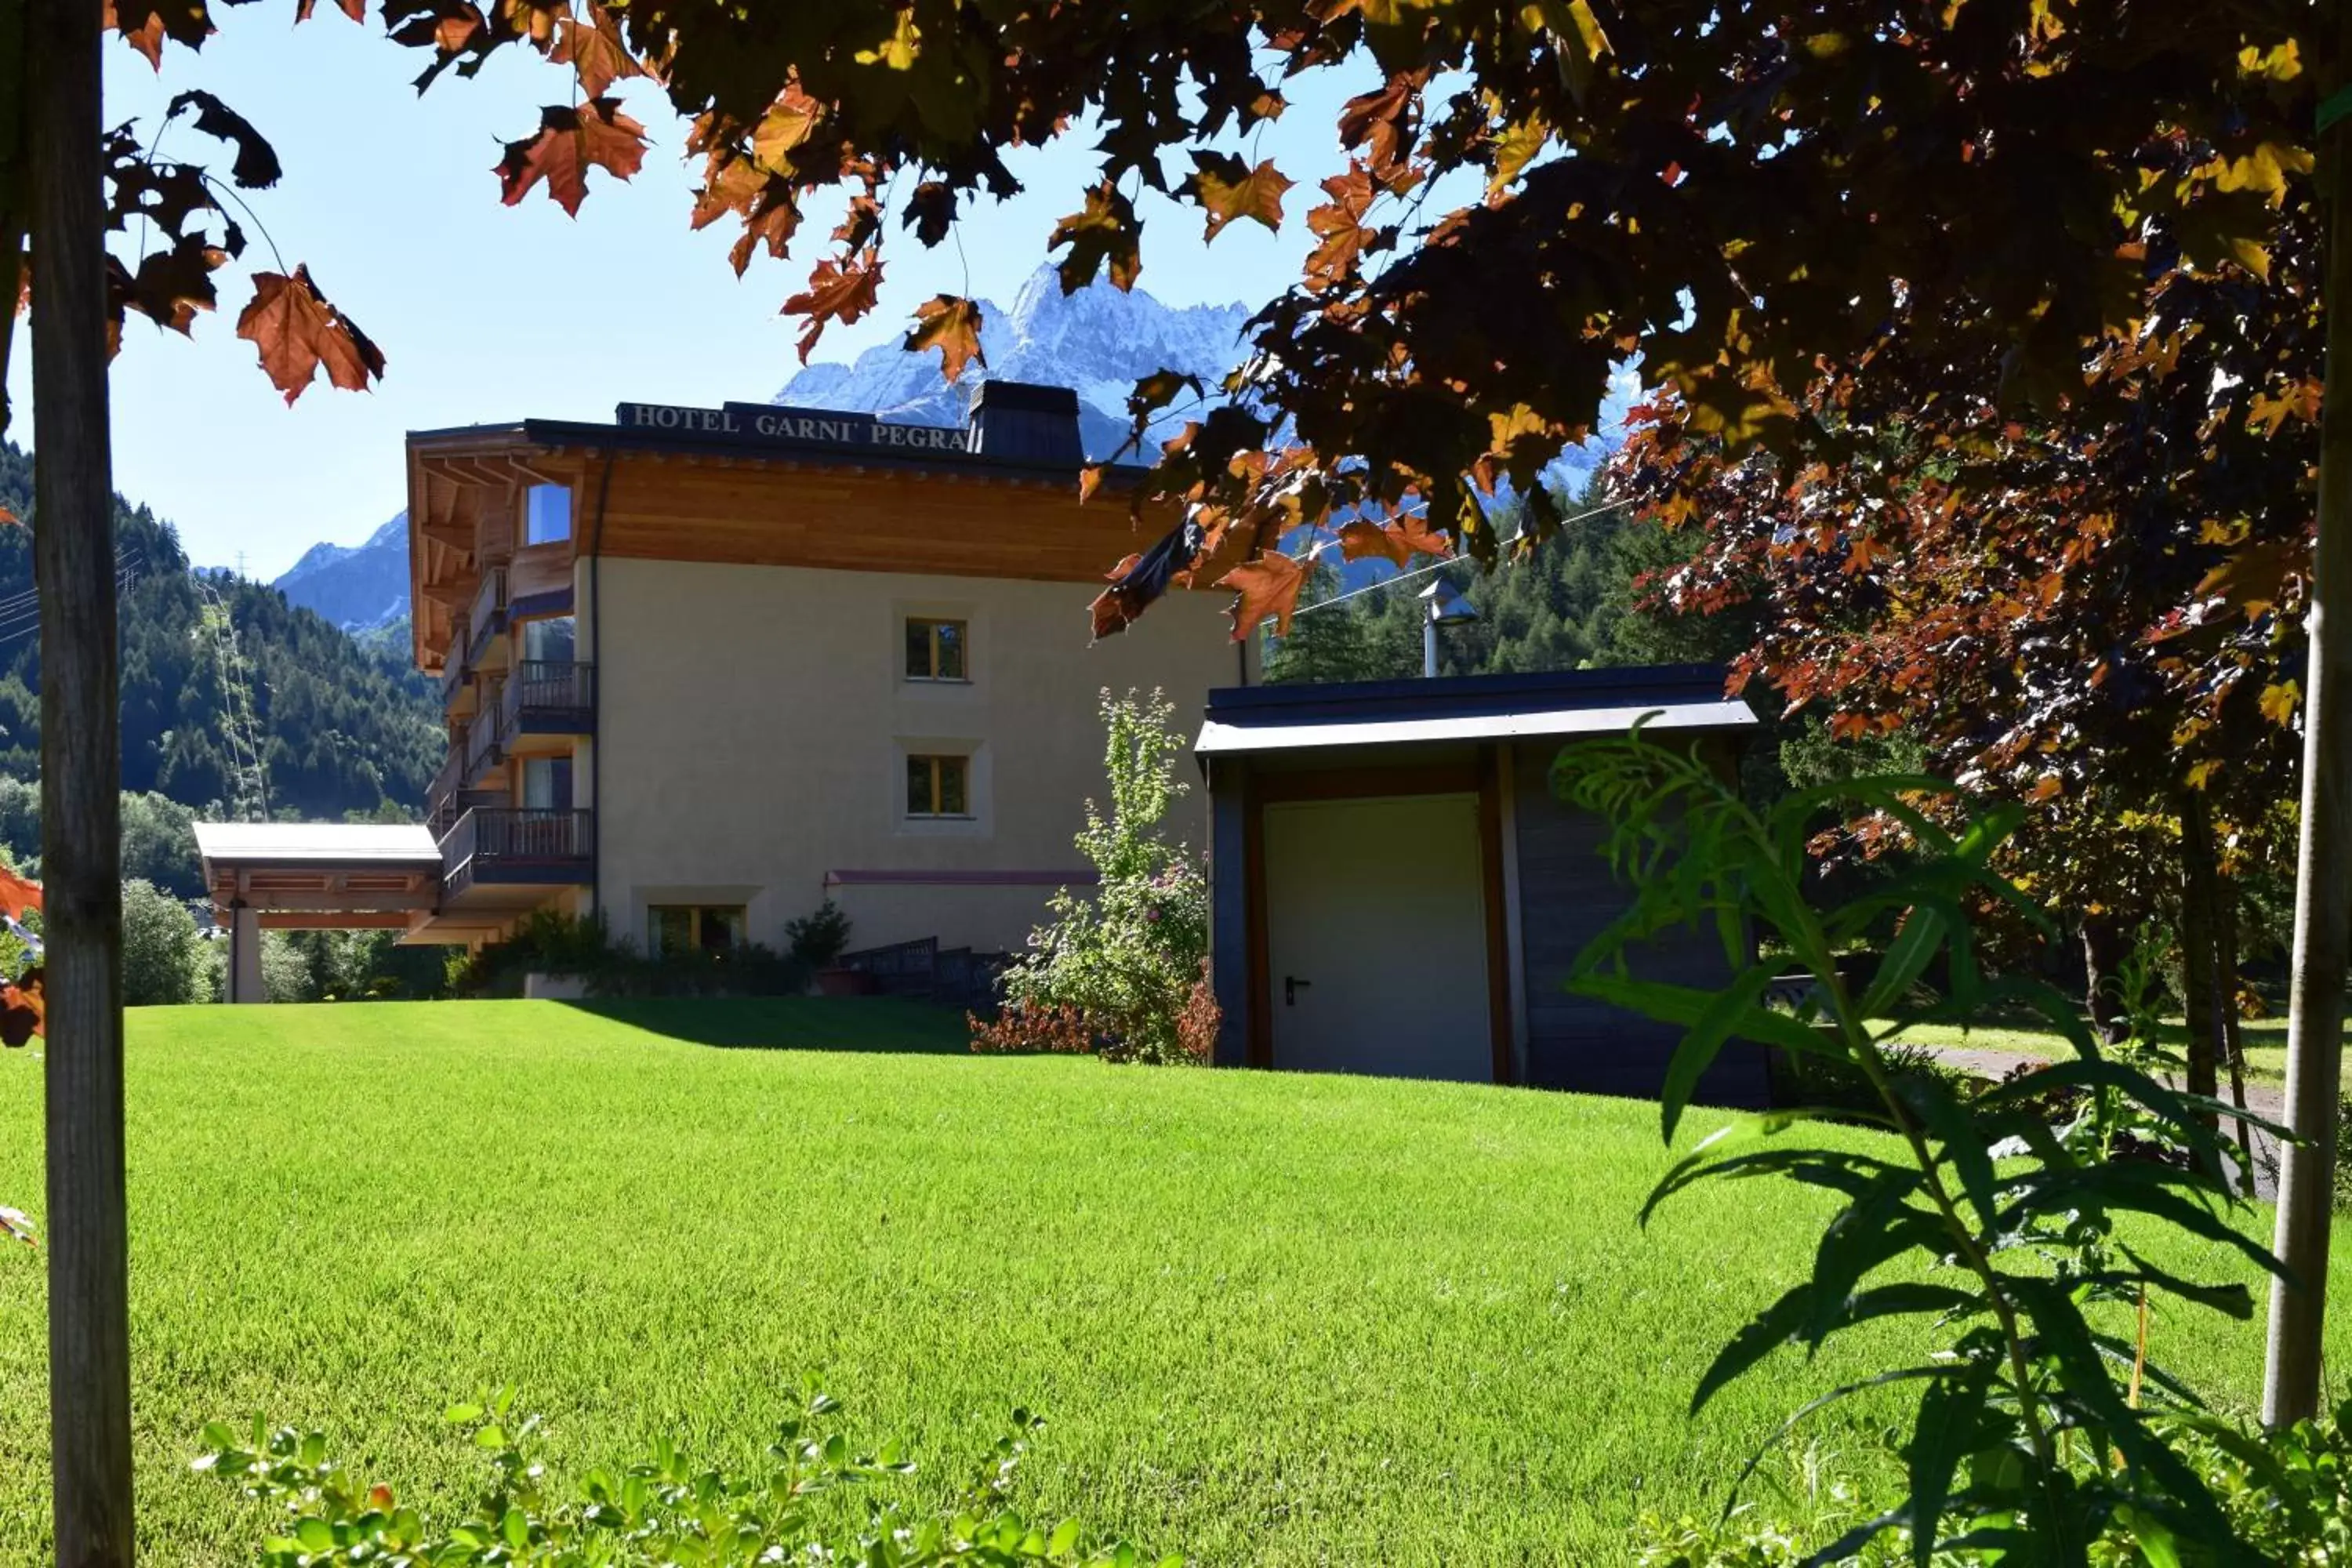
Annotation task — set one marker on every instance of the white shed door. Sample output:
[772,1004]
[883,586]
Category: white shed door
[1376,937]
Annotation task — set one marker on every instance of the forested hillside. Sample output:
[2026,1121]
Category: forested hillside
[1578,601]
[341,729]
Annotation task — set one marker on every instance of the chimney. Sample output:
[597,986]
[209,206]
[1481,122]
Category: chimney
[1016,421]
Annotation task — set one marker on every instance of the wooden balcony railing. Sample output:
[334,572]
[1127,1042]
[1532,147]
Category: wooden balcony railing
[511,844]
[484,746]
[456,667]
[487,617]
[550,697]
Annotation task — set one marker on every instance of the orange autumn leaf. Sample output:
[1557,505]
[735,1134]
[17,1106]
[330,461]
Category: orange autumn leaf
[23,1008]
[1360,539]
[17,894]
[1419,538]
[1090,479]
[2254,576]
[1265,587]
[1227,188]
[355,9]
[835,293]
[572,140]
[298,333]
[951,325]
[594,49]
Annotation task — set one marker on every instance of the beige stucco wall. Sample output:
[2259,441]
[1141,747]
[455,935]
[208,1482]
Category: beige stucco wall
[754,725]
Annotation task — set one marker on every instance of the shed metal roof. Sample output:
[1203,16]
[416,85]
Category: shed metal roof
[1469,708]
[317,844]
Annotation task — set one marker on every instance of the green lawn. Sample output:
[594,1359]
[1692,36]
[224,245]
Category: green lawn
[2265,1038]
[1272,1319]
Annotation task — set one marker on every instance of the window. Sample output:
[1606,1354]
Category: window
[548,641]
[939,786]
[936,649]
[672,931]
[546,514]
[547,784]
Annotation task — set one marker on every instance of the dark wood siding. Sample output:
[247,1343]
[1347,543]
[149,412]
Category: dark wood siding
[1566,895]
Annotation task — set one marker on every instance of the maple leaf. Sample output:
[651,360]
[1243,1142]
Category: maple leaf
[570,142]
[2281,701]
[1338,226]
[1265,587]
[790,120]
[1105,230]
[256,166]
[1413,528]
[355,9]
[2254,577]
[298,332]
[17,893]
[1382,123]
[23,1008]
[1362,538]
[931,212]
[171,286]
[1227,188]
[951,325]
[836,292]
[594,49]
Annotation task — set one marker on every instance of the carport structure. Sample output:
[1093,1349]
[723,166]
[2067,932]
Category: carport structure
[313,876]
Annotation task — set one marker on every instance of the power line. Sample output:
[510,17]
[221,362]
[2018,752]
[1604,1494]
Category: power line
[1394,578]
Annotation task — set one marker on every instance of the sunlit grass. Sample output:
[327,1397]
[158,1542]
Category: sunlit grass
[1272,1319]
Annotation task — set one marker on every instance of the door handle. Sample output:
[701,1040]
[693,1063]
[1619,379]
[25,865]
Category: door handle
[1291,987]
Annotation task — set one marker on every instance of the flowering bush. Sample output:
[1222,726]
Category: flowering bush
[1121,973]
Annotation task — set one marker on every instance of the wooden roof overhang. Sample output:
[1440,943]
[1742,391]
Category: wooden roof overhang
[312,875]
[685,496]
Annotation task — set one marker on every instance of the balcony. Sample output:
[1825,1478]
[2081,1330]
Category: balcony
[508,847]
[486,621]
[482,747]
[457,675]
[547,696]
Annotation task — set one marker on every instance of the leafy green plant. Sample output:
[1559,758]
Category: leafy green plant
[662,1511]
[1992,1229]
[817,939]
[549,944]
[1120,972]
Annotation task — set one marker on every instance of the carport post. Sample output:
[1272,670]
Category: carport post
[245,981]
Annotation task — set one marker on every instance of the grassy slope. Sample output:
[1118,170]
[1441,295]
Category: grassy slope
[1274,1319]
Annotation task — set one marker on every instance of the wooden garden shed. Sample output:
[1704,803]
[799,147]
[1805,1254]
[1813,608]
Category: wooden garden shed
[1397,891]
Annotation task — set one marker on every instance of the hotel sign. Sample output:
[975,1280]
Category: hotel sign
[768,424]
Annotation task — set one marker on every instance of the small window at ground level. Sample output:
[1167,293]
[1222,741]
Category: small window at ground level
[546,514]
[939,786]
[935,650]
[673,931]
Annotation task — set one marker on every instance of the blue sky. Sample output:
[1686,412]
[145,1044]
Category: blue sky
[487,312]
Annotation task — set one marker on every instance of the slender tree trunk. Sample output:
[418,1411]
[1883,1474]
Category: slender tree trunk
[2323,905]
[2106,944]
[73,553]
[2232,1037]
[2199,949]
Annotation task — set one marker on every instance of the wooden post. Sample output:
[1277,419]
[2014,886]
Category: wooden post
[73,553]
[2323,904]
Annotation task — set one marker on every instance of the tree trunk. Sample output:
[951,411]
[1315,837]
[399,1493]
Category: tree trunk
[2323,901]
[2199,948]
[2233,1038]
[73,554]
[2106,944]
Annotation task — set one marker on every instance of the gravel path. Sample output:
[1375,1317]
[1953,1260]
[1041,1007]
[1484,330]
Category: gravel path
[2264,1099]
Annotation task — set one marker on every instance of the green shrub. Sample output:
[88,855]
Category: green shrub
[663,1510]
[1983,1231]
[161,961]
[549,944]
[1122,973]
[816,939]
